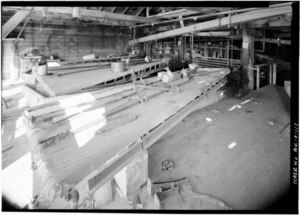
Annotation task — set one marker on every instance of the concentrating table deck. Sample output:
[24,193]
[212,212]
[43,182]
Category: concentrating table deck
[59,85]
[73,158]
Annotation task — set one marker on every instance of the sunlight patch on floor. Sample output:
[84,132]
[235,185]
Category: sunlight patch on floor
[17,181]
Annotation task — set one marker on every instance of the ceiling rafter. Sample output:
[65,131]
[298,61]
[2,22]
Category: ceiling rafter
[139,11]
[113,9]
[89,14]
[125,10]
[219,23]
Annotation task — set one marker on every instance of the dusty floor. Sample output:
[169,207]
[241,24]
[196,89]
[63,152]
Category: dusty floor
[238,157]
[16,157]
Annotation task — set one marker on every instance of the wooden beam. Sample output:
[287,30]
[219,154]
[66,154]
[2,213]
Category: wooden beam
[147,11]
[113,9]
[139,11]
[213,34]
[181,21]
[175,13]
[276,41]
[125,10]
[218,23]
[207,9]
[271,22]
[84,13]
[13,22]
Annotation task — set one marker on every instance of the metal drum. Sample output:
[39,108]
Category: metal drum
[118,66]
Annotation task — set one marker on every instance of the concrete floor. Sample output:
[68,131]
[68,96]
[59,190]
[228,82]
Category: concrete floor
[238,157]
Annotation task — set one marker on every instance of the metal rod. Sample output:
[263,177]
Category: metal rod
[197,17]
[21,30]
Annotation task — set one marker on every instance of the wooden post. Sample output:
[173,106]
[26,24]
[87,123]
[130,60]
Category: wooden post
[247,58]
[180,48]
[205,50]
[270,74]
[191,47]
[228,51]
[257,77]
[274,73]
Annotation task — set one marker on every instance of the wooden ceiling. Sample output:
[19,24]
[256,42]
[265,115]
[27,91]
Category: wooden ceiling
[159,17]
[108,15]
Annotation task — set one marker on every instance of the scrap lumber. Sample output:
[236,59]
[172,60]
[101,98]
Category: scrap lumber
[55,85]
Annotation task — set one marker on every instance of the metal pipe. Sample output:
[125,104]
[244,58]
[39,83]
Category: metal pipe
[197,17]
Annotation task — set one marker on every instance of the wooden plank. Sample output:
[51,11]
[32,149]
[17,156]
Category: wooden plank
[139,11]
[213,34]
[113,9]
[125,10]
[13,22]
[77,81]
[176,13]
[218,23]
[32,97]
[285,64]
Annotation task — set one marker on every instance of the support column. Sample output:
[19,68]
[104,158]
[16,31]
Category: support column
[274,73]
[247,58]
[180,48]
[270,75]
[257,77]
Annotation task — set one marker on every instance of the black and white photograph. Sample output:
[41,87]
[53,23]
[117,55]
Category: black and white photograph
[150,107]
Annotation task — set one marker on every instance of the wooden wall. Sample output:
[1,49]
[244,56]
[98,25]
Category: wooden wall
[63,41]
[10,65]
[72,42]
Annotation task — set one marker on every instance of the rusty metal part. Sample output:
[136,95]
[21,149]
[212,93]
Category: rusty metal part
[167,165]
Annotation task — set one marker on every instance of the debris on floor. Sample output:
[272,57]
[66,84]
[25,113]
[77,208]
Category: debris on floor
[181,196]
